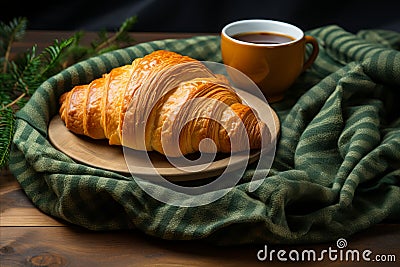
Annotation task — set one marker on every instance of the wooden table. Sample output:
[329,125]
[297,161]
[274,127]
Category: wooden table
[29,237]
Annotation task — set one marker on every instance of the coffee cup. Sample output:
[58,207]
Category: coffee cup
[271,53]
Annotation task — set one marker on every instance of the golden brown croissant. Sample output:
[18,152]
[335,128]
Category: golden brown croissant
[147,102]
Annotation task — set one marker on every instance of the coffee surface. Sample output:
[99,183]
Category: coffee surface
[263,37]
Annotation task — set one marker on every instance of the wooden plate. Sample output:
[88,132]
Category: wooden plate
[98,153]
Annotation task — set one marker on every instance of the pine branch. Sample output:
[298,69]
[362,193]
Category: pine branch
[7,121]
[120,35]
[15,101]
[9,33]
[26,71]
[51,55]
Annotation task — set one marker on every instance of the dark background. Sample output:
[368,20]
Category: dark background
[202,16]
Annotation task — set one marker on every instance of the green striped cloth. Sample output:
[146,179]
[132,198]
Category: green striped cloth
[335,173]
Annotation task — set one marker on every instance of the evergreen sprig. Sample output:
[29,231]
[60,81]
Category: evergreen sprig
[20,77]
[10,33]
[6,133]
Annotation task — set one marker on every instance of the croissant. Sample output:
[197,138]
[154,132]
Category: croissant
[144,106]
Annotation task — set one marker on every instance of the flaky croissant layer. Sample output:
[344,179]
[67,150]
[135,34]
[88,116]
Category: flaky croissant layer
[165,102]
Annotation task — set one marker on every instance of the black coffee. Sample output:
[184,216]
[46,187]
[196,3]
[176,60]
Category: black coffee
[263,37]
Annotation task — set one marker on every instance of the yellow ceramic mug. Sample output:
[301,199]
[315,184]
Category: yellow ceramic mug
[271,53]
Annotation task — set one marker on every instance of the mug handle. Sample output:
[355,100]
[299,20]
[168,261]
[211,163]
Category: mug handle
[311,40]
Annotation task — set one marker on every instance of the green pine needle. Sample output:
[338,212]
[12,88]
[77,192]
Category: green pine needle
[7,121]
[13,31]
[50,57]
[9,33]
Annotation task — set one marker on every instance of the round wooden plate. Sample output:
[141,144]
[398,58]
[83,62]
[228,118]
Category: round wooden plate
[98,153]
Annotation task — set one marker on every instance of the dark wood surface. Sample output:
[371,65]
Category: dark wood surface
[28,237]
